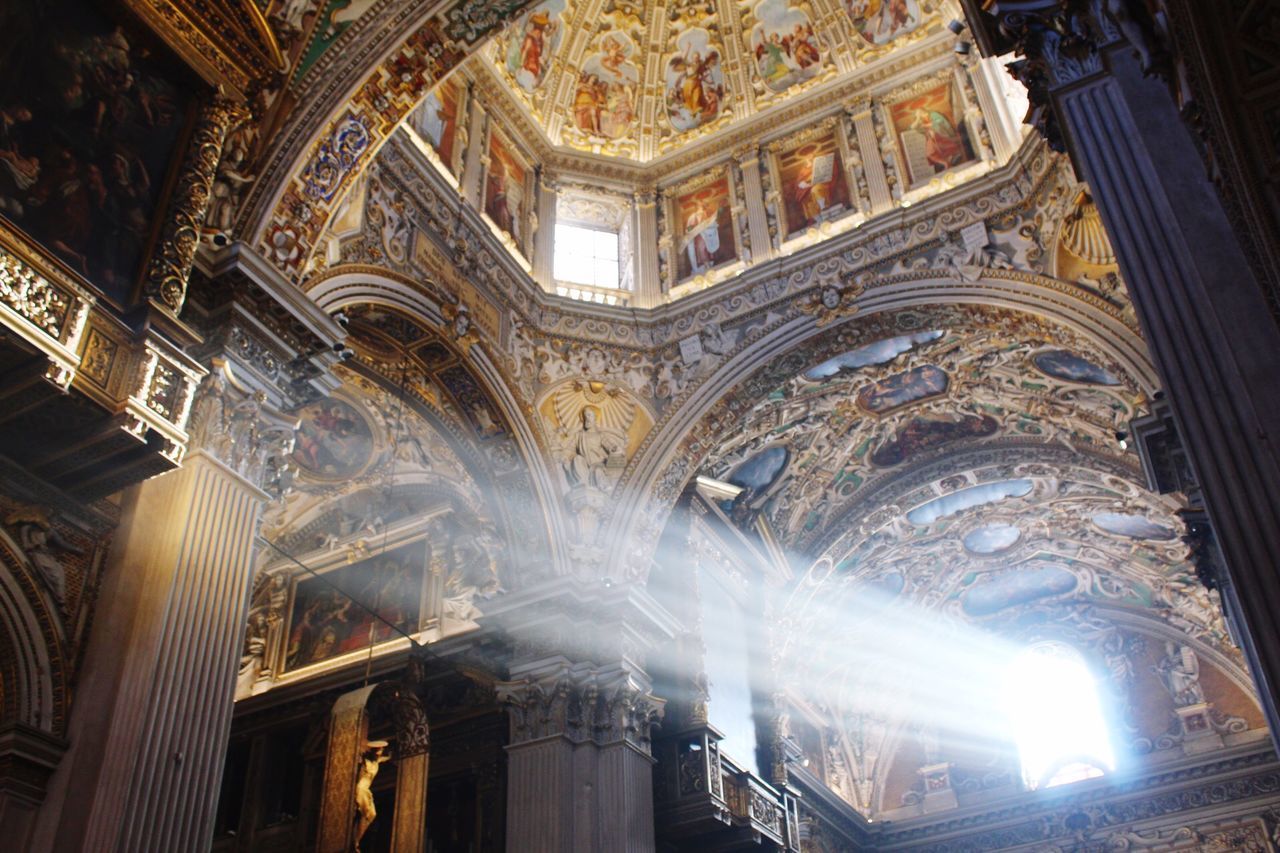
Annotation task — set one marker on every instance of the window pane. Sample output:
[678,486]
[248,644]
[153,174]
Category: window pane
[606,244]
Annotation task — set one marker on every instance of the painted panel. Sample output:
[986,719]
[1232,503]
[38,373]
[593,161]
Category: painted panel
[504,190]
[325,623]
[901,389]
[931,134]
[532,41]
[1017,587]
[924,434]
[882,21]
[761,470]
[1133,526]
[880,352]
[604,100]
[704,229]
[784,46]
[332,440]
[813,183]
[436,120]
[1062,364]
[694,81]
[91,123]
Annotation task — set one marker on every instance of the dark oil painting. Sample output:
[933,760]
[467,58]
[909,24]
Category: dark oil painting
[90,123]
[327,622]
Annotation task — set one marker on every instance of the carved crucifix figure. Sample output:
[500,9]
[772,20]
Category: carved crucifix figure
[370,762]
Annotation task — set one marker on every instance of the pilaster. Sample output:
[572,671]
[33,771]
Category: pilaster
[757,216]
[648,281]
[872,160]
[544,239]
[473,162]
[1204,313]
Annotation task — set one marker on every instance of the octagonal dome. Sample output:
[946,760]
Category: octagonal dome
[641,79]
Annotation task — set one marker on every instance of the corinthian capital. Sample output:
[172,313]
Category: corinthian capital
[237,427]
[582,703]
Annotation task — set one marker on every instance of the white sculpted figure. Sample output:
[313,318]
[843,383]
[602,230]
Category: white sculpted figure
[597,453]
[37,539]
[370,762]
[1180,671]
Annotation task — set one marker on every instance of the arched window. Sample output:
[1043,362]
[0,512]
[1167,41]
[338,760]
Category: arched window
[1056,717]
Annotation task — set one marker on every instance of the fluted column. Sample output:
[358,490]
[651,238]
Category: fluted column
[544,239]
[872,159]
[757,216]
[1210,327]
[154,708]
[648,284]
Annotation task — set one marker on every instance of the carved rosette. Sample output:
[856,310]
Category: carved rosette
[582,704]
[171,265]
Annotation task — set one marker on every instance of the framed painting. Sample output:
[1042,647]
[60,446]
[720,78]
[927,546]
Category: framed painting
[930,132]
[702,224]
[91,133]
[436,121]
[325,621]
[812,182]
[507,190]
[333,440]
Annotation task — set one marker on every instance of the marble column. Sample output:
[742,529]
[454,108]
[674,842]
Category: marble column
[580,770]
[757,216]
[1208,321]
[154,706]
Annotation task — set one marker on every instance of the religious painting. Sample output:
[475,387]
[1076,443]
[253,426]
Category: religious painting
[924,434]
[760,471]
[332,440]
[882,21]
[813,183]
[879,352]
[330,613]
[90,128]
[784,46]
[898,390]
[604,98]
[436,120]
[533,39]
[1021,586]
[1061,364]
[694,81]
[1133,526]
[931,134]
[992,538]
[504,189]
[704,229]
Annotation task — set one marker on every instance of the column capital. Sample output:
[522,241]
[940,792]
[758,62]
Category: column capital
[584,704]
[236,426]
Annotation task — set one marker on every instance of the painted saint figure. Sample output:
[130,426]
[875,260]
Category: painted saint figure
[943,146]
[374,757]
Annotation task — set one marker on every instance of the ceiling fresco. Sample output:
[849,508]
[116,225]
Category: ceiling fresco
[943,497]
[884,407]
[638,80]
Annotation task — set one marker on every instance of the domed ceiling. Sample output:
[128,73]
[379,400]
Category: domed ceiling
[639,80]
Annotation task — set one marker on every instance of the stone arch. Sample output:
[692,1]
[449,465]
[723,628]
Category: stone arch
[344,288]
[668,459]
[32,672]
[401,53]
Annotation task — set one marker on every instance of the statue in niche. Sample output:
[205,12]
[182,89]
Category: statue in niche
[37,539]
[597,453]
[372,760]
[254,655]
[1179,669]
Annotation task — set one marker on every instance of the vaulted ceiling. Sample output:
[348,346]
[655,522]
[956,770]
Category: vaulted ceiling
[640,80]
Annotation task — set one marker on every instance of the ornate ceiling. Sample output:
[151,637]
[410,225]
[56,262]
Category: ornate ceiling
[641,80]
